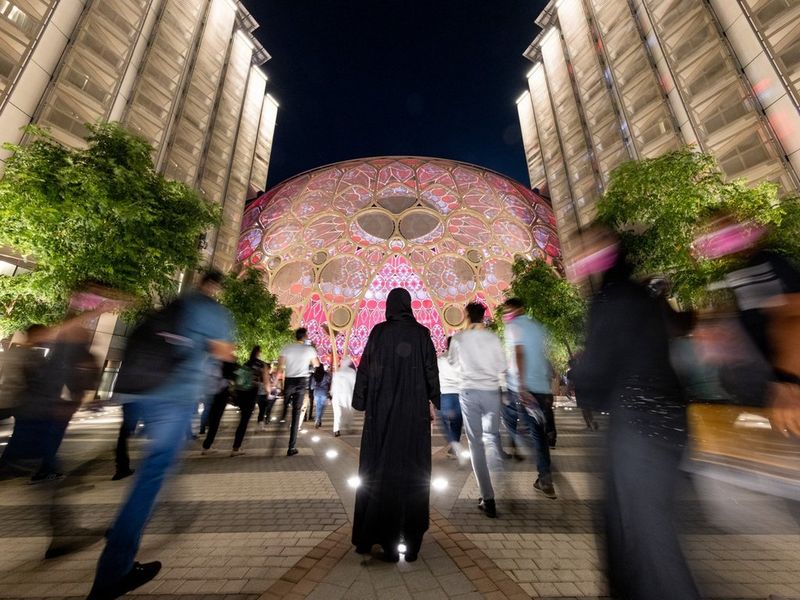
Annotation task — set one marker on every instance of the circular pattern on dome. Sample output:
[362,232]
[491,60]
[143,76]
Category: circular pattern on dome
[281,235]
[274,262]
[451,278]
[325,231]
[319,257]
[250,217]
[468,229]
[474,256]
[397,204]
[454,315]
[293,282]
[547,240]
[512,235]
[372,227]
[519,208]
[421,226]
[275,210]
[495,276]
[248,243]
[343,279]
[341,316]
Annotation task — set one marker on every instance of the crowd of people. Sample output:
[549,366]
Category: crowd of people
[643,361]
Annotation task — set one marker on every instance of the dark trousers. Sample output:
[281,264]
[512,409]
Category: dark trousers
[546,402]
[215,413]
[247,402]
[515,413]
[294,390]
[130,419]
[265,405]
[450,417]
[645,560]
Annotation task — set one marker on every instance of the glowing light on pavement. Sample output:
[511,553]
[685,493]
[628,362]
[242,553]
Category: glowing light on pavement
[354,481]
[401,548]
[331,454]
[439,484]
[315,439]
[465,454]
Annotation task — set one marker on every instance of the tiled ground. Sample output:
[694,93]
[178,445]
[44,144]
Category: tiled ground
[264,526]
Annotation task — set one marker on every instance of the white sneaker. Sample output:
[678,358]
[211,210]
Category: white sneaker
[237,452]
[206,452]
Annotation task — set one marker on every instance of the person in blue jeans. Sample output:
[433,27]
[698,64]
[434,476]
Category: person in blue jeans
[451,421]
[322,391]
[529,391]
[166,412]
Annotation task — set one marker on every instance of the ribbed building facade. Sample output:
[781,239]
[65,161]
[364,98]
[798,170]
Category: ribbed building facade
[184,74]
[615,80]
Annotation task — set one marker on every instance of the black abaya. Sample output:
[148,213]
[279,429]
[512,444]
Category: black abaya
[397,377]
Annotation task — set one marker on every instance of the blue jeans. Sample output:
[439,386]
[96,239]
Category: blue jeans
[166,422]
[514,414]
[450,418]
[320,400]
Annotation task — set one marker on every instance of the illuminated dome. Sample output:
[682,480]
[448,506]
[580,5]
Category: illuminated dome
[332,243]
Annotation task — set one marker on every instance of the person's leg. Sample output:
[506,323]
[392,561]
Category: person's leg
[295,395]
[215,417]
[166,423]
[319,401]
[449,408]
[56,429]
[337,414]
[205,414]
[261,401]
[490,425]
[129,421]
[540,442]
[546,402]
[247,402]
[473,422]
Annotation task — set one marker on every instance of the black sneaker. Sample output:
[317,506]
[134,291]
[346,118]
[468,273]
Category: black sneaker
[488,507]
[292,451]
[136,577]
[546,488]
[122,474]
[337,433]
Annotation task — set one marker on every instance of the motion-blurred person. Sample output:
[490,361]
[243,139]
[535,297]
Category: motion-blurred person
[248,377]
[396,383]
[265,398]
[625,368]
[529,391]
[586,413]
[202,327]
[322,393]
[18,366]
[450,419]
[478,356]
[293,365]
[224,386]
[342,384]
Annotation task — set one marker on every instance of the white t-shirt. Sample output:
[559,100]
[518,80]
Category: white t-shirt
[297,359]
[478,355]
[449,377]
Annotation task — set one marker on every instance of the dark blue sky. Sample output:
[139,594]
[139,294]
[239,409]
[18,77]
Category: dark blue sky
[378,77]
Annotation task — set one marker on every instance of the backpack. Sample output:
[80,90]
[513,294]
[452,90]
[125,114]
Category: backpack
[244,378]
[154,351]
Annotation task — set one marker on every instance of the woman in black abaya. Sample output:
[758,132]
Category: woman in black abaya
[397,379]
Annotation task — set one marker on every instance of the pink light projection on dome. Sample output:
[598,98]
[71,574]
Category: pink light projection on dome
[333,242]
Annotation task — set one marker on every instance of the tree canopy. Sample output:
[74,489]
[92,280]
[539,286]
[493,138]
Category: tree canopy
[554,302]
[100,213]
[259,319]
[660,204]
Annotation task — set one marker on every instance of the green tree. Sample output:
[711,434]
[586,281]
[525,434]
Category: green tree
[101,213]
[259,319]
[554,302]
[660,204]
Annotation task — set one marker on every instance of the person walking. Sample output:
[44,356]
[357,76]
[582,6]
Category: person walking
[265,398]
[203,327]
[396,383]
[248,377]
[342,384]
[529,391]
[450,418]
[626,369]
[322,392]
[478,355]
[293,365]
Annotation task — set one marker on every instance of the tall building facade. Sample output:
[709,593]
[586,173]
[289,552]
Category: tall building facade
[615,80]
[184,74]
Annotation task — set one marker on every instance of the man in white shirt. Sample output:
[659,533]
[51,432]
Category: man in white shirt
[293,365]
[479,356]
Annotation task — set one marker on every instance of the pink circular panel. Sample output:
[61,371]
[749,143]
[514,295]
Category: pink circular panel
[468,229]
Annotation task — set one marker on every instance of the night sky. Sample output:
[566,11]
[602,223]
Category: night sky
[365,78]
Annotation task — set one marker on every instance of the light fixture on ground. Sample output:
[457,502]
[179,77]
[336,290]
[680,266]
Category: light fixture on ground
[315,439]
[465,454]
[401,548]
[331,453]
[439,484]
[354,481]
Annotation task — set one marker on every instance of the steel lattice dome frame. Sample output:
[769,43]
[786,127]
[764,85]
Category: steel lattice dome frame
[332,242]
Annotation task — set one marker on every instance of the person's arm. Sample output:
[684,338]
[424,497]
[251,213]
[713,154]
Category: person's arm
[432,374]
[361,387]
[519,358]
[315,360]
[281,370]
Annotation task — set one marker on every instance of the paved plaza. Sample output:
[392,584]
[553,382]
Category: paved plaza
[264,526]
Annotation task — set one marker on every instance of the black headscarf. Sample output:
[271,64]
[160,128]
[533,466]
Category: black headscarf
[398,305]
